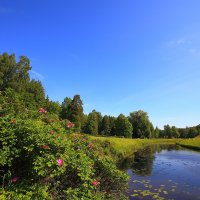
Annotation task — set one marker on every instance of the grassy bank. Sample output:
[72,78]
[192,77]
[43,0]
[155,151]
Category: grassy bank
[125,147]
[190,143]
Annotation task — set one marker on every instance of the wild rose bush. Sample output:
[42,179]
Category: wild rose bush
[39,159]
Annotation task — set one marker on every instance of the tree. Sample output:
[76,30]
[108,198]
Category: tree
[52,107]
[157,132]
[198,128]
[105,129]
[92,124]
[35,91]
[65,108]
[123,127]
[171,132]
[84,123]
[99,119]
[11,103]
[193,132]
[76,111]
[142,127]
[14,74]
[174,132]
[152,135]
[112,125]
[167,131]
[183,132]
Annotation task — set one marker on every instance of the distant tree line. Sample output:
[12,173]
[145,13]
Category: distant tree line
[18,92]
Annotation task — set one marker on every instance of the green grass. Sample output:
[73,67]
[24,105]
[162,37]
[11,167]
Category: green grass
[190,143]
[126,147]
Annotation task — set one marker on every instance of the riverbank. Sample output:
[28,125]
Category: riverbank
[124,147]
[193,143]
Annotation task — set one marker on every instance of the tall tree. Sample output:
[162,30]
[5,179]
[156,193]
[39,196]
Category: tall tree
[84,123]
[142,127]
[92,124]
[174,132]
[106,128]
[14,74]
[123,127]
[157,132]
[99,119]
[76,111]
[65,108]
[193,132]
[52,107]
[112,125]
[167,131]
[36,91]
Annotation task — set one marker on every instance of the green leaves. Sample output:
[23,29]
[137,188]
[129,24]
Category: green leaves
[30,151]
[142,127]
[123,127]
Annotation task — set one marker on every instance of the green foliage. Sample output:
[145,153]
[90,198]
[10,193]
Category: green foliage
[142,127]
[156,132]
[92,124]
[99,120]
[65,108]
[112,125]
[15,79]
[171,132]
[40,160]
[175,132]
[11,103]
[193,132]
[75,111]
[35,94]
[189,132]
[106,127]
[84,123]
[22,192]
[123,127]
[167,131]
[14,74]
[53,107]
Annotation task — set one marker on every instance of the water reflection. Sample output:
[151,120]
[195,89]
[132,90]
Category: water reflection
[164,172]
[142,162]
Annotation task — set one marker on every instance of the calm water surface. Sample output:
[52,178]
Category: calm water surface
[165,172]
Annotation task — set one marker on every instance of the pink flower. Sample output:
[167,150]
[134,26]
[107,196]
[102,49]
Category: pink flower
[95,183]
[70,125]
[60,162]
[42,110]
[14,179]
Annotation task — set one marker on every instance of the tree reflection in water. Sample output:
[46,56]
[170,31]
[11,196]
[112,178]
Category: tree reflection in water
[144,158]
[141,162]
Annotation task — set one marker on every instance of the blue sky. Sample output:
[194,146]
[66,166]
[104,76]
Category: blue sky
[120,56]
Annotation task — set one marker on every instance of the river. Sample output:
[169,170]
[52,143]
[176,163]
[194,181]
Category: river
[164,172]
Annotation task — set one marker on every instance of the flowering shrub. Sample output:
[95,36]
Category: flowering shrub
[40,160]
[60,162]
[42,110]
[95,183]
[14,179]
[70,125]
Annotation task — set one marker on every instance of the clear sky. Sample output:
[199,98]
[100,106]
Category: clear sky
[119,55]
